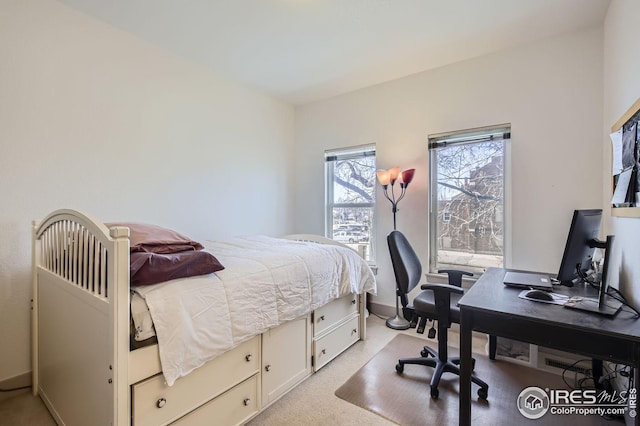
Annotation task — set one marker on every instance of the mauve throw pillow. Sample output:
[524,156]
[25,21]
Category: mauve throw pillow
[156,239]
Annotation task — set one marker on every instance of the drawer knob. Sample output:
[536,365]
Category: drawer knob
[324,352]
[354,331]
[161,403]
[267,367]
[248,357]
[322,318]
[246,401]
[353,302]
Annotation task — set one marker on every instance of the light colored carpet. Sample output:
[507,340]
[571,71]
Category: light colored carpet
[24,409]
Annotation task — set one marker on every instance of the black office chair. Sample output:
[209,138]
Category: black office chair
[409,278]
[434,302]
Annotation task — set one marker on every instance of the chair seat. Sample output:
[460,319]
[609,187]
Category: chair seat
[425,305]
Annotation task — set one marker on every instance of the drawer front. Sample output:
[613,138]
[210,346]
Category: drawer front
[332,344]
[233,407]
[333,312]
[155,403]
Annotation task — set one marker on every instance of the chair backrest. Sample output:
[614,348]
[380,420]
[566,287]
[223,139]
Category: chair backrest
[455,276]
[406,265]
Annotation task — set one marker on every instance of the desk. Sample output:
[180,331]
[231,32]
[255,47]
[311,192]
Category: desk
[491,307]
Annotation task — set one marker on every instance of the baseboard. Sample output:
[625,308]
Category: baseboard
[384,311]
[18,381]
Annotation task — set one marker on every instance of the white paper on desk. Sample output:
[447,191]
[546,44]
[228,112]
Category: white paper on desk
[558,299]
[620,194]
[616,156]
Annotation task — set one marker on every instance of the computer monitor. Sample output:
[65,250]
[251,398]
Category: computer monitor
[578,256]
[578,252]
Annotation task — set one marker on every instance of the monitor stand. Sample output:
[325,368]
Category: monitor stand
[608,307]
[603,304]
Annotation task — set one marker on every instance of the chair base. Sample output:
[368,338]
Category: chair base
[430,358]
[398,323]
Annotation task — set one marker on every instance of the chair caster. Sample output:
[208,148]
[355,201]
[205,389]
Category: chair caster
[434,392]
[399,368]
[426,352]
[482,393]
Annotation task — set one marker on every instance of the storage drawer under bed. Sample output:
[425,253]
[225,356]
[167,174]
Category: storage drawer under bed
[154,403]
[329,346]
[333,312]
[233,407]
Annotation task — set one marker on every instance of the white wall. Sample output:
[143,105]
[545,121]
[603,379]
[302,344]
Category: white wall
[621,90]
[550,92]
[94,119]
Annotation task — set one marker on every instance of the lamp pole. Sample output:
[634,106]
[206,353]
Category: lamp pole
[393,200]
[386,178]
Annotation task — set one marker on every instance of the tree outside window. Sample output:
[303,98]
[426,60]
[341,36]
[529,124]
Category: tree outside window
[468,197]
[350,197]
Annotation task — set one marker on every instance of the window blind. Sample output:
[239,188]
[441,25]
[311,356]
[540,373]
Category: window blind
[484,134]
[350,153]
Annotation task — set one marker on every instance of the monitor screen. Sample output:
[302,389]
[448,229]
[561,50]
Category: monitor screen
[578,252]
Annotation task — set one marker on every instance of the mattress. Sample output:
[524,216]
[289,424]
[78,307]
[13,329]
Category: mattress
[266,282]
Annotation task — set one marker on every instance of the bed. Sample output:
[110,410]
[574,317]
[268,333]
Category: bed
[286,318]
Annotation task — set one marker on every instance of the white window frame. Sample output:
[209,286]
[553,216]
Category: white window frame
[346,153]
[502,131]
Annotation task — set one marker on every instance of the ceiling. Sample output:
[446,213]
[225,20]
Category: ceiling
[305,50]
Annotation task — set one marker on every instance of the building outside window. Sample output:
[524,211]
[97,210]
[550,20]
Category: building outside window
[350,190]
[467,199]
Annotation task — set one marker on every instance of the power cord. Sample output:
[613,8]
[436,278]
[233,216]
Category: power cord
[610,291]
[588,381]
[578,384]
[377,315]
[620,298]
[15,389]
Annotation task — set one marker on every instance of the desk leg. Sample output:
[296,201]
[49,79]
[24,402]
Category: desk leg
[596,372]
[466,320]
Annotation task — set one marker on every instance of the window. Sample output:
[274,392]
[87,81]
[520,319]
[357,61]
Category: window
[467,199]
[350,197]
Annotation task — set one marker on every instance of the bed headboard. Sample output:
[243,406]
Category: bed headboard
[76,250]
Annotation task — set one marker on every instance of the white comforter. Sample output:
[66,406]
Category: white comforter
[266,281]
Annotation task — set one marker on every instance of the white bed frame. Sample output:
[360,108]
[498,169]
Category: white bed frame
[82,366]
